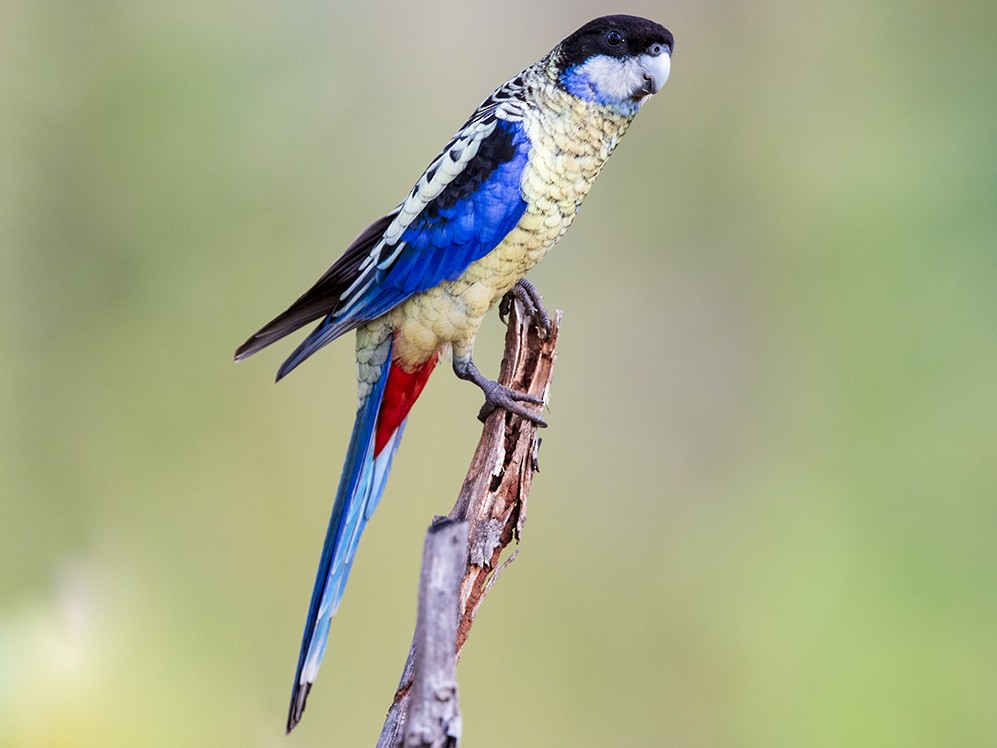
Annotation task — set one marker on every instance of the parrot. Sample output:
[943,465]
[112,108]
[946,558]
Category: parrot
[417,283]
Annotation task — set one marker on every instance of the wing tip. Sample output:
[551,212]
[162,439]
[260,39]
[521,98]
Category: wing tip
[256,343]
[243,351]
[259,341]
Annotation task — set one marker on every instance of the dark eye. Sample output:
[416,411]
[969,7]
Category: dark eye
[614,38]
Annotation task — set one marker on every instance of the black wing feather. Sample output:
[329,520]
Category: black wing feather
[323,297]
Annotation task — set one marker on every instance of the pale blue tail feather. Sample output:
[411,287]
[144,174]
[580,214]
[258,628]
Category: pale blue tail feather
[360,488]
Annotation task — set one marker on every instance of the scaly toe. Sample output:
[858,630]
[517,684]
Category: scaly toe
[509,399]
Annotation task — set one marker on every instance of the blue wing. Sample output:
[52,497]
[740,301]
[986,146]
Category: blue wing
[462,207]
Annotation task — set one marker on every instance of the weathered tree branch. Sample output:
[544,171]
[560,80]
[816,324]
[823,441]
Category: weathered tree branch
[492,506]
[434,719]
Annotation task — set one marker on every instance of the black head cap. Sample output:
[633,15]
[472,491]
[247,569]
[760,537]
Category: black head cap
[614,36]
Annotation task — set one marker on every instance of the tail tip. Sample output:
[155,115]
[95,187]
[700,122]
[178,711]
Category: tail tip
[298,699]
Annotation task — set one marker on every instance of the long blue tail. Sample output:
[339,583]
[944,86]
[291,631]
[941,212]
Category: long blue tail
[360,487]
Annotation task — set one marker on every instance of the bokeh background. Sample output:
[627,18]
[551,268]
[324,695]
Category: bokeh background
[766,514]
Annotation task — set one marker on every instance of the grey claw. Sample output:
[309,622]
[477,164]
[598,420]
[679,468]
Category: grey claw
[498,396]
[490,407]
[532,302]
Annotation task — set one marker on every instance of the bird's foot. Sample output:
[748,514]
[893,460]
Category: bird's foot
[533,305]
[498,395]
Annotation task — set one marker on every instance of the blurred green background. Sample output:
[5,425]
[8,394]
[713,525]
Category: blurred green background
[767,509]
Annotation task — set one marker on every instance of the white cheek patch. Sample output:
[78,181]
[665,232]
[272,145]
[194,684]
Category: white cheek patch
[613,79]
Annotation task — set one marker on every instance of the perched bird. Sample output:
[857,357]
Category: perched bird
[421,279]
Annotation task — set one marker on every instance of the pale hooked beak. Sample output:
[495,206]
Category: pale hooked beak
[656,69]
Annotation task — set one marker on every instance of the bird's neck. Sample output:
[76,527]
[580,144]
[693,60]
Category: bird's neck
[576,127]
